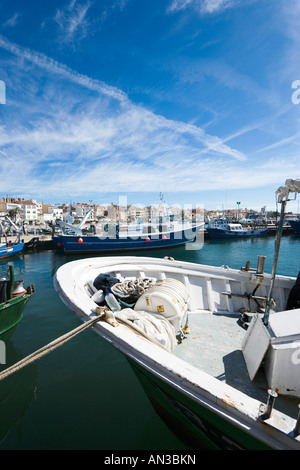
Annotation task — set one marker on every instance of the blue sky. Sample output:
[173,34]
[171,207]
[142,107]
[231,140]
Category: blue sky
[109,98]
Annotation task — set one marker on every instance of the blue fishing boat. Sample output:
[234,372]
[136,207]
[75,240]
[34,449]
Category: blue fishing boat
[117,237]
[114,239]
[295,224]
[222,228]
[10,249]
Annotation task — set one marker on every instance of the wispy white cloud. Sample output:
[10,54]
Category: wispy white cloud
[76,20]
[294,139]
[73,20]
[290,15]
[51,66]
[212,6]
[177,5]
[73,135]
[195,71]
[204,7]
[12,21]
[288,23]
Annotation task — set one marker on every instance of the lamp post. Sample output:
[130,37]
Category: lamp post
[238,204]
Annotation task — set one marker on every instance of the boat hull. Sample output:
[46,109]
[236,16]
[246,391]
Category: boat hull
[95,244]
[11,312]
[295,224]
[57,241]
[233,235]
[7,250]
[198,426]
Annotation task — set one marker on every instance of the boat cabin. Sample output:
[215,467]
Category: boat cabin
[234,227]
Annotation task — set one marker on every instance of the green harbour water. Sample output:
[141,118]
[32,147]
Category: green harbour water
[84,395]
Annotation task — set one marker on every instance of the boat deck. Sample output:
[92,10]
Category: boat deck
[214,346]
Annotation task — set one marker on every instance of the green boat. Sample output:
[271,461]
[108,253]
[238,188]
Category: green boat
[13,298]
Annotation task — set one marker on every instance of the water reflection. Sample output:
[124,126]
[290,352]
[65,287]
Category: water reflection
[16,391]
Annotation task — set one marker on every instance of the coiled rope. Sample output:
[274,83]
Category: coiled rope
[132,288]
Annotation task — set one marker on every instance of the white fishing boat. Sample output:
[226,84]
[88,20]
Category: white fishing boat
[215,349]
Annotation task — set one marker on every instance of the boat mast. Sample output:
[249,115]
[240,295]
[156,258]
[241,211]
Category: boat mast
[291,186]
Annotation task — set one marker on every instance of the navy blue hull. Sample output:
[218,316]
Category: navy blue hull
[57,241]
[295,224]
[94,244]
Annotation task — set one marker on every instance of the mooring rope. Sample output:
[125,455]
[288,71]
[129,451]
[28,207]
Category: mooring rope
[49,347]
[101,313]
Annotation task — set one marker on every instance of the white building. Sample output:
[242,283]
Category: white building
[82,209]
[50,214]
[56,212]
[28,210]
